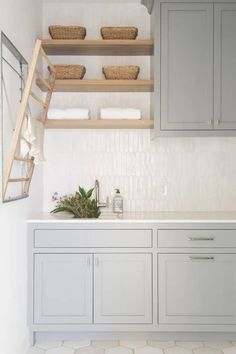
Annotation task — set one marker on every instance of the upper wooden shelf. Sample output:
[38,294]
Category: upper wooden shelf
[99,85]
[97,47]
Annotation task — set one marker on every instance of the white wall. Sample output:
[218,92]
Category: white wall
[20,20]
[199,172]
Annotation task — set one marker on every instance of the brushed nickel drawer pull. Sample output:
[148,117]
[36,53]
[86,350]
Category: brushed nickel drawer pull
[96,261]
[201,258]
[201,238]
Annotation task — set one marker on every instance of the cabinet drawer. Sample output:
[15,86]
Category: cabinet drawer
[92,238]
[196,238]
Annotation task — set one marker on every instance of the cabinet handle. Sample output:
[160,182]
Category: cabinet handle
[211,121]
[88,262]
[201,238]
[218,121]
[96,261]
[201,258]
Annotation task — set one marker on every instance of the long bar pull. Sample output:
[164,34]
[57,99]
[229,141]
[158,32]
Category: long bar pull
[88,262]
[201,238]
[96,261]
[201,258]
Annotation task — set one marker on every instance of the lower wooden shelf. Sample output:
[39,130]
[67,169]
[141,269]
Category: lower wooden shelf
[99,124]
[99,85]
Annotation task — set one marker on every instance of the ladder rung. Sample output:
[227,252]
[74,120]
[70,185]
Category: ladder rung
[23,196]
[18,179]
[23,159]
[44,81]
[47,60]
[37,98]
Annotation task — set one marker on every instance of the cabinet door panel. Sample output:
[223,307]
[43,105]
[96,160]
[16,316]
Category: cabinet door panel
[123,288]
[197,289]
[225,67]
[186,66]
[63,288]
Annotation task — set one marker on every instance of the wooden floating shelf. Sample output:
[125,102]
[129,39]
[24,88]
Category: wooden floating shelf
[99,124]
[98,47]
[99,85]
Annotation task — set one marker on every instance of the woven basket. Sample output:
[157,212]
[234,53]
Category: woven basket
[121,72]
[69,72]
[67,32]
[119,32]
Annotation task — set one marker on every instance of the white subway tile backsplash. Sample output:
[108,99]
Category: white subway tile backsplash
[199,173]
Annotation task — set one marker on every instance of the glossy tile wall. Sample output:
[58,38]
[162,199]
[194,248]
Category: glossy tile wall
[199,174]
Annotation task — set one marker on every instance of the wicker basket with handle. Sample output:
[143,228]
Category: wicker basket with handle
[67,32]
[119,32]
[76,72]
[127,72]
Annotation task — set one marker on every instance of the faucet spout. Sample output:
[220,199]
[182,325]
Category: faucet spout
[96,189]
[97,196]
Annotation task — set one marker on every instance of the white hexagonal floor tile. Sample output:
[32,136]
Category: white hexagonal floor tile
[35,350]
[207,350]
[218,345]
[90,350]
[189,345]
[231,350]
[133,344]
[161,345]
[178,350]
[48,344]
[76,344]
[119,350]
[148,350]
[60,350]
[105,344]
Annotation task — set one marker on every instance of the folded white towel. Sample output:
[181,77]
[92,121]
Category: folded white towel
[120,113]
[77,113]
[69,113]
[54,113]
[32,137]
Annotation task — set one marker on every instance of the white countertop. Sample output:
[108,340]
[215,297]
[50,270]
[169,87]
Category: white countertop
[160,217]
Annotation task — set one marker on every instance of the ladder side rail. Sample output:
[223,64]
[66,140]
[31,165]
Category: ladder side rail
[21,117]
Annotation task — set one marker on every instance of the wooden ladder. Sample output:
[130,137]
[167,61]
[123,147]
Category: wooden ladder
[33,75]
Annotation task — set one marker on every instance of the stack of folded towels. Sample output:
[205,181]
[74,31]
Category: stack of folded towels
[84,113]
[69,113]
[120,113]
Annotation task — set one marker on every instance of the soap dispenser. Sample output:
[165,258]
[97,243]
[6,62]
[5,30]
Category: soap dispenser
[117,202]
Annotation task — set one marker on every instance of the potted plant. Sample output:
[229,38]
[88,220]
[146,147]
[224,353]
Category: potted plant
[80,205]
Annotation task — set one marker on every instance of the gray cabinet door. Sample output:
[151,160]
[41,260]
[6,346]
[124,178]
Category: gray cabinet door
[197,289]
[63,288]
[225,66]
[123,288]
[186,66]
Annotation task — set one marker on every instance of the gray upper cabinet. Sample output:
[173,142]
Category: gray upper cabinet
[186,66]
[225,65]
[194,68]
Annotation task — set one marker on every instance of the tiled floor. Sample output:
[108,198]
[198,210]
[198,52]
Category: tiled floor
[133,347]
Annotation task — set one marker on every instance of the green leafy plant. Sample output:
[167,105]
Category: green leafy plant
[81,205]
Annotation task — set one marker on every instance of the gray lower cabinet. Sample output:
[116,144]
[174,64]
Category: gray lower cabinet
[68,286]
[63,288]
[197,288]
[179,278]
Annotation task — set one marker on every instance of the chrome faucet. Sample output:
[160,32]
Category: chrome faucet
[97,196]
